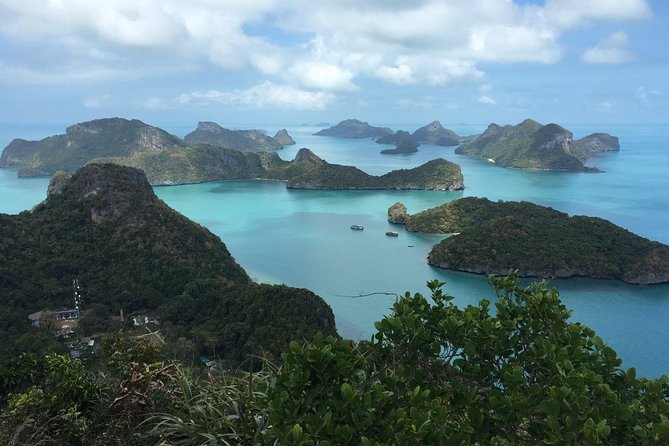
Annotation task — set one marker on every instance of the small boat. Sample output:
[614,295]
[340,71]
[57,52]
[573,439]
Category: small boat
[357,227]
[392,234]
[409,246]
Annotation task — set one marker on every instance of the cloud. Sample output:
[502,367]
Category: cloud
[314,46]
[398,74]
[645,96]
[262,95]
[100,101]
[485,89]
[567,14]
[612,50]
[323,76]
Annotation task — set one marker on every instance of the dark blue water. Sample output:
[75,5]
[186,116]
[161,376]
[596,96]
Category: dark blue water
[302,238]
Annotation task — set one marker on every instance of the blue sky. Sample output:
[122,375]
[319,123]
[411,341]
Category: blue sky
[286,62]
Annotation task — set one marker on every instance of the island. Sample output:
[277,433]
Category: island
[215,135]
[353,128]
[167,160]
[537,241]
[307,171]
[536,146]
[83,142]
[122,138]
[404,143]
[433,133]
[130,252]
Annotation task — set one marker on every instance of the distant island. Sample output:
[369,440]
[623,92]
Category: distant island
[122,138]
[168,160]
[353,128]
[214,134]
[403,144]
[307,171]
[493,237]
[536,146]
[132,253]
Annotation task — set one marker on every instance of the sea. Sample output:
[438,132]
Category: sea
[303,238]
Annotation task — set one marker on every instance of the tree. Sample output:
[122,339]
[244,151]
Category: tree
[435,373]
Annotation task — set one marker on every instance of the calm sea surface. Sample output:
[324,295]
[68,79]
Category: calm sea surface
[302,238]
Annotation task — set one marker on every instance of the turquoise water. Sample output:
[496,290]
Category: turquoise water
[302,238]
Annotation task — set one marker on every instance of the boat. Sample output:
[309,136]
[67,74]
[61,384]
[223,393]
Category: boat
[409,246]
[357,227]
[392,234]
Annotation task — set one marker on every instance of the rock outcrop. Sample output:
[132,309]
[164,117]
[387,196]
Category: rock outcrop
[397,213]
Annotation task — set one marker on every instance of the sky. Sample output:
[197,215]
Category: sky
[287,62]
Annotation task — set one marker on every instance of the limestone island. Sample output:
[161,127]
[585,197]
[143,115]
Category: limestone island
[493,237]
[403,144]
[122,138]
[353,128]
[215,135]
[535,146]
[433,133]
[168,160]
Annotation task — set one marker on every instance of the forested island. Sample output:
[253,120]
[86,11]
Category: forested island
[432,133]
[133,254]
[354,128]
[167,160]
[493,237]
[215,135]
[123,138]
[535,146]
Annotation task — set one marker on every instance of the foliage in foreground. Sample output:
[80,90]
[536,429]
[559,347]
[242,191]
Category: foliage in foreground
[433,373]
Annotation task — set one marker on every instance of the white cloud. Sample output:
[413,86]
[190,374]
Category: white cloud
[262,95]
[426,42]
[323,76]
[566,14]
[485,98]
[100,101]
[612,50]
[645,96]
[398,74]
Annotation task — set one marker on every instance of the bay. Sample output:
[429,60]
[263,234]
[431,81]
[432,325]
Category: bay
[302,238]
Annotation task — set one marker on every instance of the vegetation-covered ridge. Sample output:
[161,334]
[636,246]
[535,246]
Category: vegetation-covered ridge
[493,237]
[307,171]
[122,138]
[512,372]
[532,145]
[105,227]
